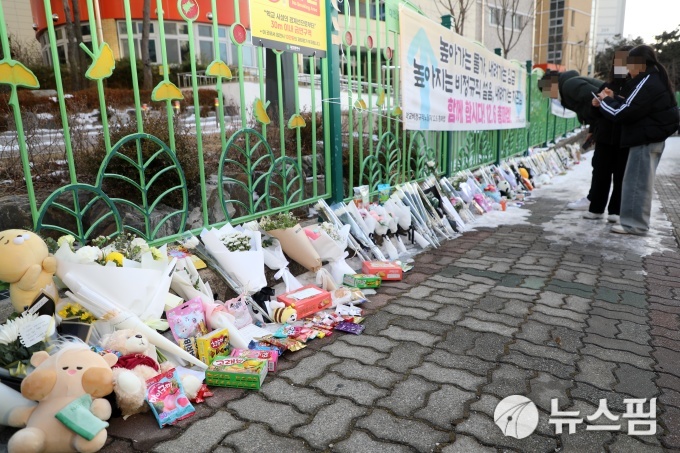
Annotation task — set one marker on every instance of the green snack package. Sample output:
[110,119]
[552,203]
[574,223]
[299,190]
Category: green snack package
[78,418]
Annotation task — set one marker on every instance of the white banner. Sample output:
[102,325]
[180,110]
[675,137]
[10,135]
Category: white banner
[452,84]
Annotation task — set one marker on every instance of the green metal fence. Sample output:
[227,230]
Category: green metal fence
[269,160]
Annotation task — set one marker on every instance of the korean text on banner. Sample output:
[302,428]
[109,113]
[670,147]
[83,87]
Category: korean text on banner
[292,25]
[452,84]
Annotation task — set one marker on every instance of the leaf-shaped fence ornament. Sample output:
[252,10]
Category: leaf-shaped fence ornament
[144,178]
[260,111]
[16,74]
[296,122]
[244,164]
[81,210]
[166,91]
[285,183]
[103,62]
[218,69]
[383,165]
[419,153]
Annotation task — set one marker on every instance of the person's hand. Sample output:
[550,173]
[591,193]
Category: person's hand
[595,102]
[605,93]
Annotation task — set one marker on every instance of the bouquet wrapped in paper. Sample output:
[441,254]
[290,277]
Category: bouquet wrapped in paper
[331,243]
[349,215]
[329,216]
[238,251]
[293,239]
[134,276]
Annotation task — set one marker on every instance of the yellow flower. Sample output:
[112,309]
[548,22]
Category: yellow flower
[63,313]
[116,257]
[155,253]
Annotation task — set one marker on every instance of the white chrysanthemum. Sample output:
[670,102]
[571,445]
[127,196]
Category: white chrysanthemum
[141,243]
[88,254]
[9,332]
[68,239]
[191,242]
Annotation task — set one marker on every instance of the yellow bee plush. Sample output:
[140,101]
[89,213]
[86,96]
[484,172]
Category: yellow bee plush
[280,313]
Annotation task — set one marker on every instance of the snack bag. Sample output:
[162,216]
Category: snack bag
[165,395]
[187,321]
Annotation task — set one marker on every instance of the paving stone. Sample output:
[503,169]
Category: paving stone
[607,294]
[626,444]
[459,299]
[551,299]
[596,372]
[304,399]
[561,313]
[364,355]
[545,387]
[419,292]
[671,418]
[203,435]
[618,312]
[669,397]
[420,337]
[555,321]
[408,311]
[636,382]
[448,360]
[618,356]
[359,391]
[516,308]
[416,434]
[585,441]
[466,444]
[535,332]
[539,364]
[257,439]
[544,351]
[616,344]
[330,423]
[485,326]
[360,442]
[423,304]
[483,427]
[431,326]
[142,430]
[376,322]
[445,406]
[488,346]
[567,339]
[482,315]
[379,376]
[508,380]
[449,315]
[478,289]
[407,355]
[310,368]
[460,378]
[586,392]
[382,344]
[605,327]
[280,417]
[408,396]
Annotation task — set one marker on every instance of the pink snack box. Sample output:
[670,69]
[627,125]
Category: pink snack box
[272,357]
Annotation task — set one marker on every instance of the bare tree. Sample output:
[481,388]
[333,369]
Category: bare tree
[458,10]
[510,22]
[581,55]
[147,82]
[74,35]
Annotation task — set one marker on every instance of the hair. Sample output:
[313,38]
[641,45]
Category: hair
[646,53]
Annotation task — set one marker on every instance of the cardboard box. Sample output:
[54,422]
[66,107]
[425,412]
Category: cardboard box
[385,270]
[307,300]
[272,357]
[236,372]
[362,281]
[213,344]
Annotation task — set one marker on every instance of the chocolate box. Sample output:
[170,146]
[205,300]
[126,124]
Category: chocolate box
[272,357]
[362,281]
[239,372]
[307,300]
[385,270]
[212,344]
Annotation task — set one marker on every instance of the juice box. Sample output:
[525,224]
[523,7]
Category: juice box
[239,372]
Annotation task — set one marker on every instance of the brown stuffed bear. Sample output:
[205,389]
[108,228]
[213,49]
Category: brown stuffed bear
[27,266]
[138,364]
[57,381]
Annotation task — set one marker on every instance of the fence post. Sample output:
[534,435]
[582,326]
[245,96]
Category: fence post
[330,86]
[498,52]
[528,106]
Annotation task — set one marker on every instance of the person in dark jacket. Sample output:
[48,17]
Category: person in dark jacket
[609,158]
[648,113]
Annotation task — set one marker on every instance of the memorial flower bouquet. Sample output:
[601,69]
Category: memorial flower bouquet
[294,242]
[330,243]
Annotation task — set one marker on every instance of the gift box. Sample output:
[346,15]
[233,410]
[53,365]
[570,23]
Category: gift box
[213,344]
[236,372]
[362,281]
[385,270]
[307,300]
[272,357]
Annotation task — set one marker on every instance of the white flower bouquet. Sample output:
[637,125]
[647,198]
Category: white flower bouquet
[331,243]
[275,260]
[238,251]
[293,239]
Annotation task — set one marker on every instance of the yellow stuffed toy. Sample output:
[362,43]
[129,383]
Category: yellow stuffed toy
[60,379]
[27,266]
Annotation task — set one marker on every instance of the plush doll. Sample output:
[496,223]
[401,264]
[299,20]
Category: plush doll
[138,364]
[280,313]
[27,266]
[58,381]
[505,190]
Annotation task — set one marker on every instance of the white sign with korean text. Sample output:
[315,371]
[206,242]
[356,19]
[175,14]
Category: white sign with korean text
[452,84]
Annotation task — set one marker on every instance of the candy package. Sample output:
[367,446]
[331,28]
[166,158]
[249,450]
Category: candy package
[187,321]
[165,395]
[350,327]
[284,344]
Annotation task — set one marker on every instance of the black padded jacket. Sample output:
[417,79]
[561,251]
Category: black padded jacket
[647,111]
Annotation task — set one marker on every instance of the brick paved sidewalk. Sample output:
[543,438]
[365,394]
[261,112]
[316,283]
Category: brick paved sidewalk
[522,309]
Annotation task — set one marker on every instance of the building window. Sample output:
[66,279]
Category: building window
[573,18]
[518,21]
[494,16]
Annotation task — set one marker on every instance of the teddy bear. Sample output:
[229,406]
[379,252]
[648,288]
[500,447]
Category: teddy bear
[70,373]
[27,266]
[138,364]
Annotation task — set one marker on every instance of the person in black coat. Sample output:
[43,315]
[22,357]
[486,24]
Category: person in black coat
[609,158]
[648,113]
